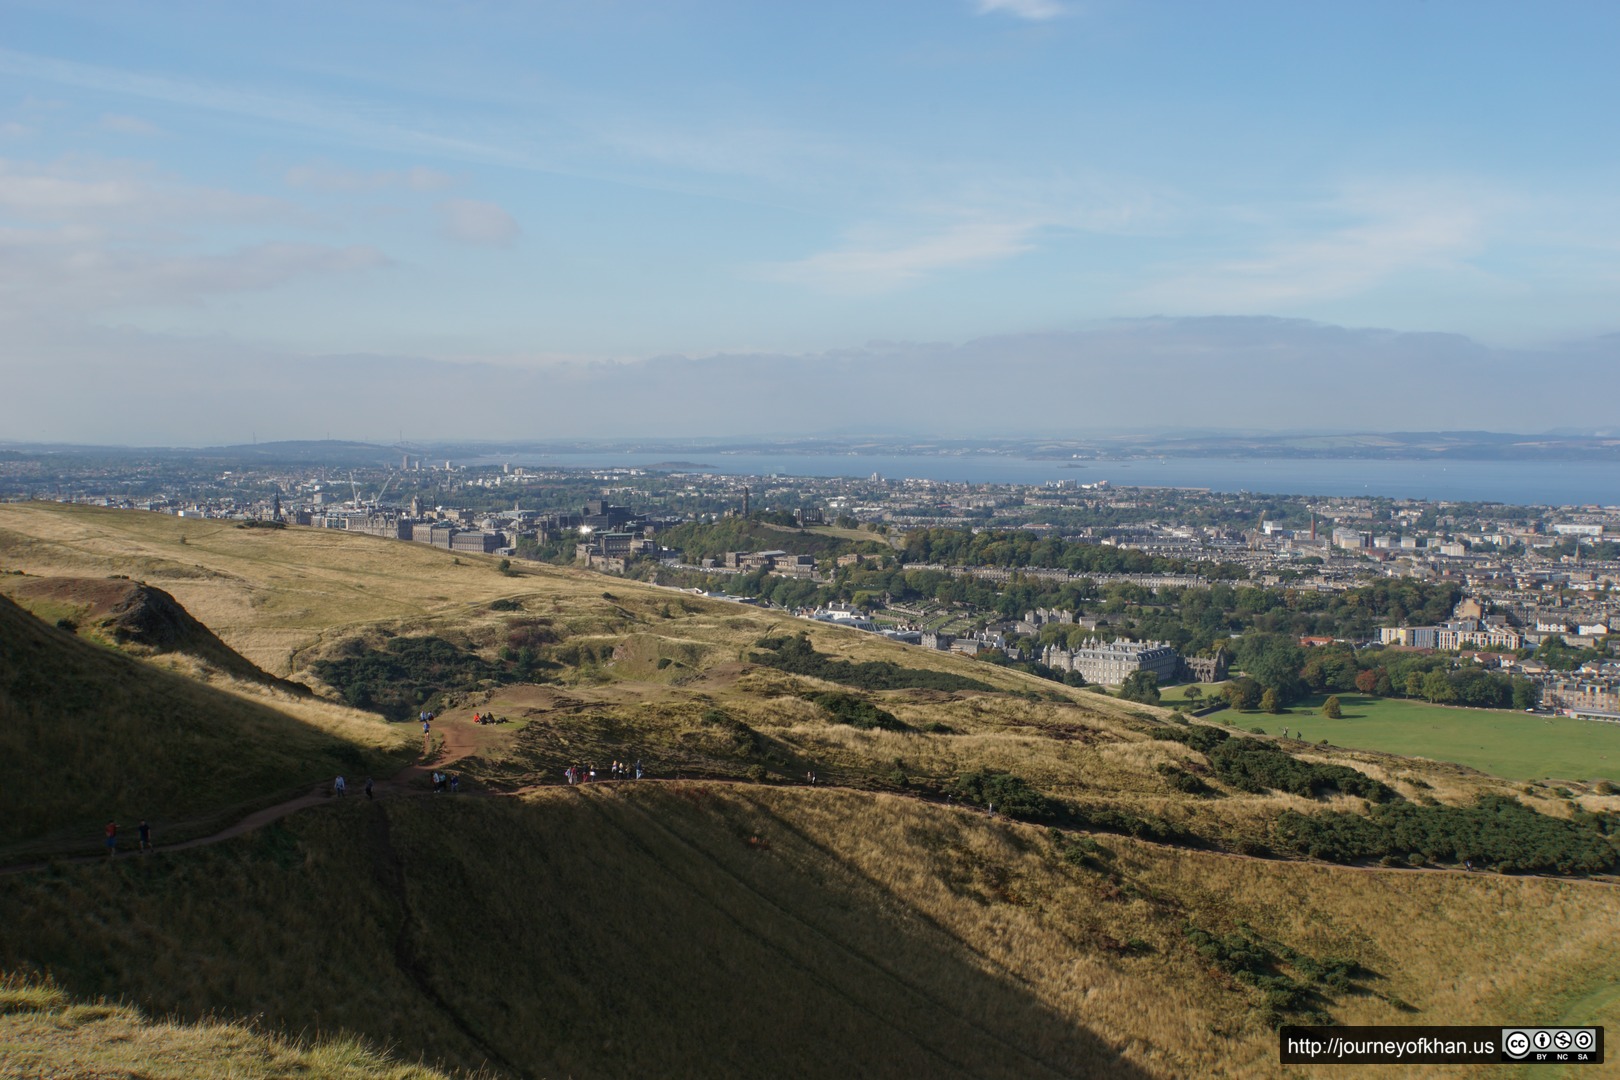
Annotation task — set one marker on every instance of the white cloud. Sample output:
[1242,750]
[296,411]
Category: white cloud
[1378,235]
[469,221]
[128,125]
[70,271]
[322,176]
[1034,10]
[84,236]
[12,129]
[122,191]
[876,267]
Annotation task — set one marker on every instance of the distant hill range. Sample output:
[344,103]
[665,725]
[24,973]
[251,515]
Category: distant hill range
[691,453]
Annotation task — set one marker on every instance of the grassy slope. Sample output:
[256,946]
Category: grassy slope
[702,930]
[43,1032]
[266,593]
[103,736]
[710,929]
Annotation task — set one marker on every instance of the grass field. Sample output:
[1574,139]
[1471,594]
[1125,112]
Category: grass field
[1505,743]
[1513,745]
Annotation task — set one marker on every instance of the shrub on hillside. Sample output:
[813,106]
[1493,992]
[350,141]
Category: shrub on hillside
[857,712]
[1498,832]
[1200,737]
[797,656]
[409,672]
[1254,766]
[1008,793]
[1184,781]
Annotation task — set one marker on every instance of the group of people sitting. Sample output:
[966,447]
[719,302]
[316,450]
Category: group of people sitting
[488,718]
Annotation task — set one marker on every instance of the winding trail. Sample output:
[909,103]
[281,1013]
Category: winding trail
[460,741]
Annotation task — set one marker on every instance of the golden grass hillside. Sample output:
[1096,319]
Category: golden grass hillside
[699,929]
[729,916]
[44,1033]
[96,736]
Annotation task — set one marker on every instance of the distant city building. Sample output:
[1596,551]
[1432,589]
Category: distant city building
[1113,662]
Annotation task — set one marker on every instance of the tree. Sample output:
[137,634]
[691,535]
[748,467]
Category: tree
[1270,702]
[1331,709]
[1142,686]
[1243,693]
[1367,681]
[1438,689]
[1274,661]
[1414,685]
[1193,693]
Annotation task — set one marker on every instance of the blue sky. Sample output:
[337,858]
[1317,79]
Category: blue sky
[528,184]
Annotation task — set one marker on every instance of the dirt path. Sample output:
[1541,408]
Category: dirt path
[460,741]
[457,743]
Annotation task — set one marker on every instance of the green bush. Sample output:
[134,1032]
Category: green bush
[1254,766]
[1200,737]
[408,673]
[1183,781]
[857,712]
[1009,794]
[797,656]
[1497,832]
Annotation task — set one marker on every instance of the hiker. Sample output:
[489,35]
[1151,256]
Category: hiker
[112,838]
[369,796]
[339,787]
[455,783]
[638,768]
[425,727]
[146,837]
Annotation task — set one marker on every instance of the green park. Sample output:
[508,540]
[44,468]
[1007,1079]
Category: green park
[1516,745]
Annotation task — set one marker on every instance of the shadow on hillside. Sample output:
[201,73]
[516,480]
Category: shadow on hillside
[583,935]
[99,736]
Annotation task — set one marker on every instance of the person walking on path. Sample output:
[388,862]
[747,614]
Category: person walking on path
[112,838]
[369,795]
[146,837]
[339,787]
